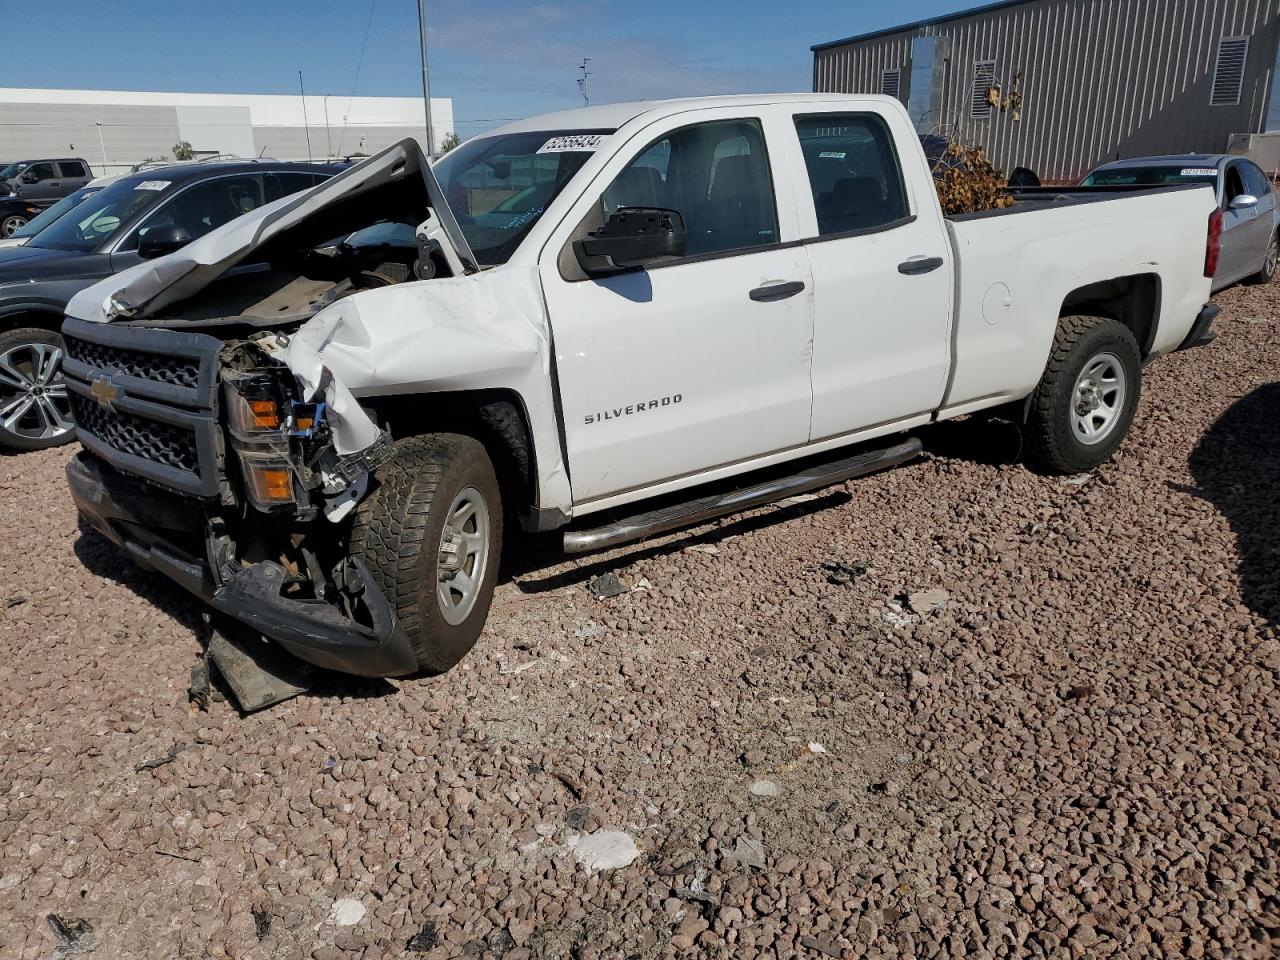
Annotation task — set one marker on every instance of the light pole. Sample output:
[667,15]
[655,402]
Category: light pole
[103,147]
[426,84]
[302,92]
[328,141]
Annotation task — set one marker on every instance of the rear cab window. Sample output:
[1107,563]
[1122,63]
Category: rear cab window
[73,169]
[855,178]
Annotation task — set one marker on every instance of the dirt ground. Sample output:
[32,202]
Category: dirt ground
[1074,755]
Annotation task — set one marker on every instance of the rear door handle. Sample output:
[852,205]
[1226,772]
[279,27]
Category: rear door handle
[916,265]
[776,291]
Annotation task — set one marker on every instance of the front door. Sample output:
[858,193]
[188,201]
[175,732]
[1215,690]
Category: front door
[40,183]
[883,274]
[697,363]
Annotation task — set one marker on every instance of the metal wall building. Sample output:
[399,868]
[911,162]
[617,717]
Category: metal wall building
[1100,79]
[114,129]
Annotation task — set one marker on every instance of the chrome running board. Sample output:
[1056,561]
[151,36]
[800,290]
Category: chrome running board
[692,512]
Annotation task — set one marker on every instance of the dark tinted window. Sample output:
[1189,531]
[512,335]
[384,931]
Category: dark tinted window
[1154,176]
[205,206]
[1233,186]
[39,171]
[715,174]
[853,172]
[282,184]
[72,169]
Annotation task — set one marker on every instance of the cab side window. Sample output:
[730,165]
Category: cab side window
[716,175]
[38,171]
[854,173]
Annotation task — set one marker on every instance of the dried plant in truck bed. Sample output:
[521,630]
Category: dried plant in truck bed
[967,182]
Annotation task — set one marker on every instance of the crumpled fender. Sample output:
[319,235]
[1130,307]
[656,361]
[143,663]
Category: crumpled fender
[482,331]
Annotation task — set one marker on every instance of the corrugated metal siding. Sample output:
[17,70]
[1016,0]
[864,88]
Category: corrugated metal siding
[1101,78]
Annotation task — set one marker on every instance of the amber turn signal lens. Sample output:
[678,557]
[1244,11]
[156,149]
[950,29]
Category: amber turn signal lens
[265,414]
[271,484]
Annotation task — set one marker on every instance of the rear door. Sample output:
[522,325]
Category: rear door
[669,373]
[73,175]
[882,274]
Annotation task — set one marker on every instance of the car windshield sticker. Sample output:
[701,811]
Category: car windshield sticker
[153,185]
[832,155]
[579,143]
[1198,172]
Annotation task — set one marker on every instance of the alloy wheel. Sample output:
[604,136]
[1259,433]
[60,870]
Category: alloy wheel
[33,396]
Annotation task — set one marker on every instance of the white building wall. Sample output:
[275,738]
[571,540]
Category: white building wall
[136,125]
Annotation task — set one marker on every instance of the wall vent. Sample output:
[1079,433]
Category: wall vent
[891,83]
[1228,71]
[984,76]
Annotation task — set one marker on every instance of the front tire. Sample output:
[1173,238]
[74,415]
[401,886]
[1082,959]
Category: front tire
[1085,403]
[431,534]
[11,225]
[34,410]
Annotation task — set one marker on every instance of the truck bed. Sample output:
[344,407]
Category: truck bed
[1028,199]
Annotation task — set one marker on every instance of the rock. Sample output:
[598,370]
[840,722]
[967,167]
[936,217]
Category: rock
[925,602]
[604,850]
[765,788]
[346,912]
[747,852]
[607,585]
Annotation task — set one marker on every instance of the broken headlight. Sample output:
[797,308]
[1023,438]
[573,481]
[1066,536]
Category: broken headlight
[257,408]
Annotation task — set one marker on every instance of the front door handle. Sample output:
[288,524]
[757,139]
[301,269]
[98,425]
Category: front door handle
[776,291]
[916,265]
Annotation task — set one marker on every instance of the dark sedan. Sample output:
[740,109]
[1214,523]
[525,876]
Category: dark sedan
[135,218]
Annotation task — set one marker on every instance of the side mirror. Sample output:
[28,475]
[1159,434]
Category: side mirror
[1243,201]
[632,238]
[158,241]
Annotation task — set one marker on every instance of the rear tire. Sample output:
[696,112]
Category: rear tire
[431,534]
[1269,264]
[1085,403]
[34,410]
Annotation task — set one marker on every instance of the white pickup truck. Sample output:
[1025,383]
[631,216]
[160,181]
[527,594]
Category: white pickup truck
[618,320]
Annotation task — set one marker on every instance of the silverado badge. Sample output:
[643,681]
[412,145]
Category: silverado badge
[104,391]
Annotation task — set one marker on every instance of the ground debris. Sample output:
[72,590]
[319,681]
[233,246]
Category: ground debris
[160,761]
[841,573]
[604,850]
[74,936]
[425,939]
[925,602]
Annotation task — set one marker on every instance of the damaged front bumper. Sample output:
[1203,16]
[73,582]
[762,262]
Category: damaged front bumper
[137,517]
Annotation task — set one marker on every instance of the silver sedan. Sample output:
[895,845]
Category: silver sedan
[1250,217]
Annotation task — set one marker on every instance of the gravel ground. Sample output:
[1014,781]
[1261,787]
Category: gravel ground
[750,754]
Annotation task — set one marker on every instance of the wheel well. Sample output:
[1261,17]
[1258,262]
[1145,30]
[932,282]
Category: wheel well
[496,418]
[32,317]
[1133,301]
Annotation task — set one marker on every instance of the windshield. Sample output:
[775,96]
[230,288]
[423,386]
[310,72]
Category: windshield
[102,217]
[47,216]
[1152,176]
[498,187]
[12,170]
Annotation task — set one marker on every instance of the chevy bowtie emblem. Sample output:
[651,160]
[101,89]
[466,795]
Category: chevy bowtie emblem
[104,391]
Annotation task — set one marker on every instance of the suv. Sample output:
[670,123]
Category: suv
[43,182]
[135,218]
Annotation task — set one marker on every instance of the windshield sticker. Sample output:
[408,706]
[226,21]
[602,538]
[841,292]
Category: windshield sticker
[580,143]
[832,155]
[1198,172]
[153,185]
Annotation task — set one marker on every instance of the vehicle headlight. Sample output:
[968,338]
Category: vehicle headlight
[268,478]
[255,411]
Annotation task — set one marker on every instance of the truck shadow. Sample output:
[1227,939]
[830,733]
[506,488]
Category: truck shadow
[1236,467]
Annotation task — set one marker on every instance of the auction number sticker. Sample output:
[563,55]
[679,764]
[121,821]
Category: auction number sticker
[832,155]
[153,185]
[1199,172]
[578,143]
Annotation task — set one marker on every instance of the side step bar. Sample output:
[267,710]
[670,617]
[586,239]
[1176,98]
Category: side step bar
[707,508]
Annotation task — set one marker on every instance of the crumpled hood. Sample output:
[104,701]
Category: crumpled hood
[152,285]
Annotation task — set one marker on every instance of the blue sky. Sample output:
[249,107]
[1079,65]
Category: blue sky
[495,58]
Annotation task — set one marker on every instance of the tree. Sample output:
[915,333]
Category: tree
[183,151]
[450,141]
